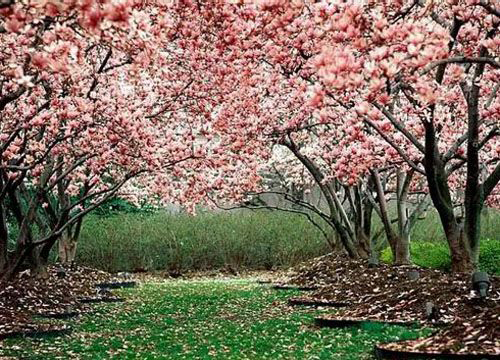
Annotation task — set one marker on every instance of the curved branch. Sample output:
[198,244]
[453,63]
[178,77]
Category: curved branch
[6,99]
[462,60]
[398,125]
[492,181]
[395,146]
[269,207]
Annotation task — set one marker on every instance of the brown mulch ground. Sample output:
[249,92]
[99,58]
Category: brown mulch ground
[479,334]
[25,297]
[472,325]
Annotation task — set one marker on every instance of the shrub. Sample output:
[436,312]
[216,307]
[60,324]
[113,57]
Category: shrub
[162,241]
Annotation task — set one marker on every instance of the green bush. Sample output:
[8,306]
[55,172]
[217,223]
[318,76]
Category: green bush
[162,241]
[489,257]
[436,255]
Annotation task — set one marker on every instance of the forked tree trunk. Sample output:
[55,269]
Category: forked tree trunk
[363,244]
[463,237]
[463,257]
[464,252]
[399,244]
[337,213]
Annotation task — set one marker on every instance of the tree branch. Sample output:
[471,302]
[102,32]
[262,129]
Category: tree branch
[269,207]
[395,146]
[462,60]
[166,107]
[6,99]
[492,181]
[398,125]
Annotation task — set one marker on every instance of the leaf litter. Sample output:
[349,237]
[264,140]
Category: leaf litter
[466,323]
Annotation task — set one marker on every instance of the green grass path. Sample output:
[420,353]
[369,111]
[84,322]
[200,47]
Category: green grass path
[204,319]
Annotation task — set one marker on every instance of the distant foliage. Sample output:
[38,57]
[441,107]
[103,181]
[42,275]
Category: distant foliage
[122,237]
[180,242]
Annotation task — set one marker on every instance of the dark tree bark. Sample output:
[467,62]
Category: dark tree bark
[4,238]
[4,231]
[463,235]
[361,209]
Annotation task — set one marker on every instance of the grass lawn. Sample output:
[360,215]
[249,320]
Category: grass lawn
[204,319]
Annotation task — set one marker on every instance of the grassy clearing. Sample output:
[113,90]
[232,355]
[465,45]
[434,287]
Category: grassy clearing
[160,241]
[210,319]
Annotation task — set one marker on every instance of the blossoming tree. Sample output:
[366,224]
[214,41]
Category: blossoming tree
[422,76]
[94,96]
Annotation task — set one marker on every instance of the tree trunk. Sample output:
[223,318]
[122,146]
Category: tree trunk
[402,251]
[68,243]
[38,264]
[4,234]
[346,241]
[67,249]
[439,190]
[377,244]
[462,256]
[14,263]
[402,248]
[474,191]
[397,250]
[362,209]
[363,244]
[345,232]
[4,239]
[8,272]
